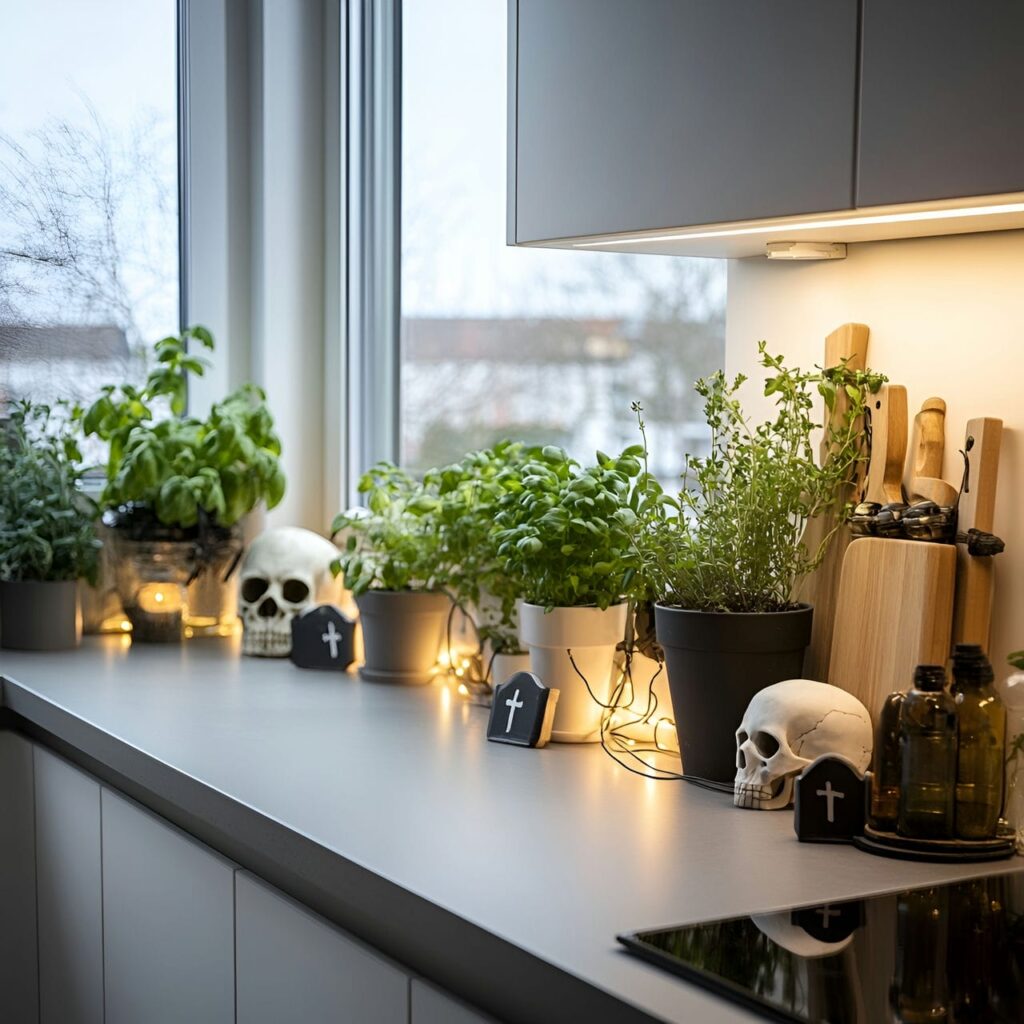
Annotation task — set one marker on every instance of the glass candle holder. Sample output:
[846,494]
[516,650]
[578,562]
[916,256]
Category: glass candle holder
[151,581]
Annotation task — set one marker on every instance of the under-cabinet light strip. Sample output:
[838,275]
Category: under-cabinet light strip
[780,229]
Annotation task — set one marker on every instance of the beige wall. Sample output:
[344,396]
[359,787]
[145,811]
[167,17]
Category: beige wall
[946,318]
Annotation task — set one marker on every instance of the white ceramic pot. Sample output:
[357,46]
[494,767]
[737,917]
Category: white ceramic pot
[505,666]
[591,635]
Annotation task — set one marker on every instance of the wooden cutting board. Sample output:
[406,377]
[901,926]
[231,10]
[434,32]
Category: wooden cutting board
[888,445]
[849,342]
[894,612]
[972,621]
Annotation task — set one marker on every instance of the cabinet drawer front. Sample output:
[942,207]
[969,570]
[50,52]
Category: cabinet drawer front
[659,113]
[19,994]
[293,965]
[168,914]
[69,888]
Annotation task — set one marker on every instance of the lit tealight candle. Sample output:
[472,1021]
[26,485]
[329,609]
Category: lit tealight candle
[157,614]
[160,599]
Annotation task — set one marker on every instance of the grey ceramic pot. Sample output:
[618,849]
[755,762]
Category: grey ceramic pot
[38,616]
[716,662]
[402,631]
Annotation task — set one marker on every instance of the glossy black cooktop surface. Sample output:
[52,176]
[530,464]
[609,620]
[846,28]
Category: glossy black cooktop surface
[951,954]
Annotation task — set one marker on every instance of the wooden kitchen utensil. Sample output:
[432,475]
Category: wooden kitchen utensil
[922,478]
[972,619]
[888,445]
[894,612]
[849,342]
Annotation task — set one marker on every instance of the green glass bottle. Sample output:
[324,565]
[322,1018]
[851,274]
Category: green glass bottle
[981,717]
[886,765]
[928,756]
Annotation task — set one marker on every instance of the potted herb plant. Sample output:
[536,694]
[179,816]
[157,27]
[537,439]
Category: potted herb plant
[725,563]
[469,493]
[567,535]
[177,488]
[47,536]
[391,561]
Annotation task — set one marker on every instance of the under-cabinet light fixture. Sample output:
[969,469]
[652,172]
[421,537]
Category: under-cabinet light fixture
[823,224]
[806,250]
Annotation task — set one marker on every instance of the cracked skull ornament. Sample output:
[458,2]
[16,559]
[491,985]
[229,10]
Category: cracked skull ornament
[286,572]
[788,725]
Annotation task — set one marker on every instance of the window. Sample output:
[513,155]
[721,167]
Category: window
[539,345]
[89,249]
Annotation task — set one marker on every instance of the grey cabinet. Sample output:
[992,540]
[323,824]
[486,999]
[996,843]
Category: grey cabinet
[19,991]
[431,1006]
[292,965]
[168,922]
[942,100]
[656,113]
[69,888]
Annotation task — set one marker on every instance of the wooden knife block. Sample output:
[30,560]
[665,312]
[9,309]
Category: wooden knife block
[894,612]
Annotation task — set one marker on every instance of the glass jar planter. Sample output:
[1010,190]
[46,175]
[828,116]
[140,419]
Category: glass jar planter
[172,582]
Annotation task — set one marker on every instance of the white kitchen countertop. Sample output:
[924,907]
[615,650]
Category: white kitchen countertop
[501,873]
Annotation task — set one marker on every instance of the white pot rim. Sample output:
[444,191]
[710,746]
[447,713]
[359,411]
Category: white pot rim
[581,626]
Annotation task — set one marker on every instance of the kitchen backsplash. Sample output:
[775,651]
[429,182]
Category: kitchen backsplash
[946,318]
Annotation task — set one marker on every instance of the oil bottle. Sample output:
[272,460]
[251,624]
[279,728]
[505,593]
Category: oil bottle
[981,716]
[928,738]
[885,774]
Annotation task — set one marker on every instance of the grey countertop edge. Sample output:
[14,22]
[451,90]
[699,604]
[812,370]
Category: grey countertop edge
[495,975]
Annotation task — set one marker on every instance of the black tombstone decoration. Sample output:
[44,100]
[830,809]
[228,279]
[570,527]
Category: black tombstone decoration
[323,638]
[830,801]
[831,922]
[522,711]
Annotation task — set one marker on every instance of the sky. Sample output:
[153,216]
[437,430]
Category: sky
[119,53]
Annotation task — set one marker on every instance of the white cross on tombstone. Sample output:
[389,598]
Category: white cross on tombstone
[830,795]
[512,704]
[332,637]
[826,912]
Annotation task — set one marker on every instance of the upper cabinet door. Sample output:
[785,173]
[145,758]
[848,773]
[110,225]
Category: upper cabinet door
[942,100]
[660,113]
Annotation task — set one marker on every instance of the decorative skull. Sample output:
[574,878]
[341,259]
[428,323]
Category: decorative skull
[285,573]
[788,725]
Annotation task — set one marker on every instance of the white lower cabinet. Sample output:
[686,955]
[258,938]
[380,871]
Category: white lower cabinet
[19,992]
[136,922]
[294,966]
[168,922]
[432,1006]
[69,893]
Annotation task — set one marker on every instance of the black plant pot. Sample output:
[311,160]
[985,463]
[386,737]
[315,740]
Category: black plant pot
[40,616]
[402,632]
[716,662]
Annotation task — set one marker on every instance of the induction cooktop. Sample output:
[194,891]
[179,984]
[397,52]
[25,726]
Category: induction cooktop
[948,954]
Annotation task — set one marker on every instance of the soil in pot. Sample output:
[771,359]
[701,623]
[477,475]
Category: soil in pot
[591,635]
[40,616]
[402,634]
[716,662]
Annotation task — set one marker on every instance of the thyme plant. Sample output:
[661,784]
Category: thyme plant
[736,540]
